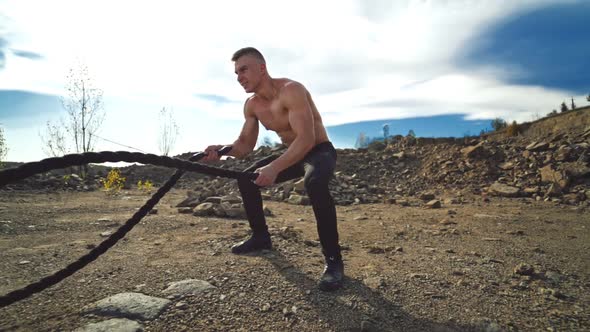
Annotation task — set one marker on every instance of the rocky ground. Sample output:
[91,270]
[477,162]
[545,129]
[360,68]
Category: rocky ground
[479,262]
[473,234]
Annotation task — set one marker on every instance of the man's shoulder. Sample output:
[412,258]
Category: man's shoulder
[248,104]
[288,87]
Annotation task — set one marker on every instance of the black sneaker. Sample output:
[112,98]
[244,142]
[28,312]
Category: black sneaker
[333,274]
[254,243]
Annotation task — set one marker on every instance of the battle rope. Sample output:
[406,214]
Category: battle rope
[29,169]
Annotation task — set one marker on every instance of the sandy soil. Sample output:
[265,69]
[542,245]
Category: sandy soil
[408,268]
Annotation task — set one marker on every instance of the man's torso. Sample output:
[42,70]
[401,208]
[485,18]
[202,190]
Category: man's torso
[274,115]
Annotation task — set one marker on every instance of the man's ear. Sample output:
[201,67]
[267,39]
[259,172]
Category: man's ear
[263,68]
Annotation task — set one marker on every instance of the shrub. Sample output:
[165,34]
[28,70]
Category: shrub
[146,185]
[513,129]
[114,181]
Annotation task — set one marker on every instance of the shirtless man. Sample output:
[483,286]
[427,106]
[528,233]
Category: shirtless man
[286,107]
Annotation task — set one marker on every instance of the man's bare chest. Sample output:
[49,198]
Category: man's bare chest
[273,116]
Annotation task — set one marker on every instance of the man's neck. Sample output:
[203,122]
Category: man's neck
[267,90]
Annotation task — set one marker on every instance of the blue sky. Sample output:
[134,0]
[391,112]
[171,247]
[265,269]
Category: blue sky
[442,68]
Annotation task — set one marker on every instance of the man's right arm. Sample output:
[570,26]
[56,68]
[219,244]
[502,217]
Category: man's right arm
[245,142]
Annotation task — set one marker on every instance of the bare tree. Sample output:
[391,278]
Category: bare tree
[84,116]
[54,139]
[84,106]
[3,146]
[168,131]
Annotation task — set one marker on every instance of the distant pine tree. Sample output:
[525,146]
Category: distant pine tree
[564,107]
[573,104]
[411,133]
[498,123]
[385,131]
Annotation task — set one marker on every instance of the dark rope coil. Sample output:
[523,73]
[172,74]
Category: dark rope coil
[26,170]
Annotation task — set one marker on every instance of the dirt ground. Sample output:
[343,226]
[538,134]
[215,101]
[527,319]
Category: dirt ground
[457,268]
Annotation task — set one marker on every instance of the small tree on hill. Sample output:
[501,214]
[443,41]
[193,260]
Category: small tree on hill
[385,131]
[54,139]
[498,123]
[564,107]
[362,141]
[168,131]
[513,129]
[411,133]
[573,104]
[552,113]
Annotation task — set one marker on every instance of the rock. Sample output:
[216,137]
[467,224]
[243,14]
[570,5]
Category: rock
[129,305]
[266,307]
[187,287]
[190,202]
[537,146]
[475,152]
[374,282]
[399,155]
[299,186]
[231,199]
[185,210]
[115,324]
[504,190]
[426,196]
[106,234]
[403,202]
[104,219]
[549,175]
[298,199]
[554,277]
[433,204]
[524,269]
[506,166]
[576,169]
[213,199]
[204,209]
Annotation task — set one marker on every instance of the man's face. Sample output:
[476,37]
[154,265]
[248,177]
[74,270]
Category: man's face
[249,72]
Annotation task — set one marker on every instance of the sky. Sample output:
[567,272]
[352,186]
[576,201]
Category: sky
[433,65]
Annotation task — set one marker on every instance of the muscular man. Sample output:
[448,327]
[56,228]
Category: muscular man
[286,107]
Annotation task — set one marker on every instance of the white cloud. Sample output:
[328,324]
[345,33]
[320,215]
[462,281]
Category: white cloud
[350,54]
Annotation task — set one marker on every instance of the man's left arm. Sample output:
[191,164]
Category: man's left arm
[301,121]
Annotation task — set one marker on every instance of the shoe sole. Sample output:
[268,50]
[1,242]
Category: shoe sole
[330,287]
[250,251]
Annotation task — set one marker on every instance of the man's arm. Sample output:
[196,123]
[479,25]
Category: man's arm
[301,121]
[247,139]
[245,142]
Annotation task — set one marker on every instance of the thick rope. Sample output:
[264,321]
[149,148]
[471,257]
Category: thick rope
[45,165]
[21,172]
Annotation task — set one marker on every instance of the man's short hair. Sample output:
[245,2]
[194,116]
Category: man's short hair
[248,51]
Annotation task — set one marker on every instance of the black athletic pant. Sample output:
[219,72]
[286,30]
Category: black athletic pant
[317,167]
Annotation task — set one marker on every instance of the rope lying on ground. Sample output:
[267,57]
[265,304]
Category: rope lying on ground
[23,171]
